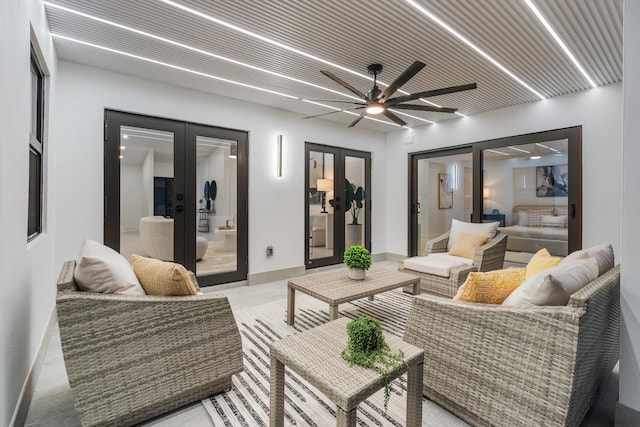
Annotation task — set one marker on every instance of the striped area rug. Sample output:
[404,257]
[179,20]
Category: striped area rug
[247,404]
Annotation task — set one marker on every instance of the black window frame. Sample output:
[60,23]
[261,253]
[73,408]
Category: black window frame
[36,149]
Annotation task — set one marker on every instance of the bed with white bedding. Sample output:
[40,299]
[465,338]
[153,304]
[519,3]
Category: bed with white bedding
[535,227]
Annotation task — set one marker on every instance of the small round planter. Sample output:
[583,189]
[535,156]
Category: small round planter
[355,273]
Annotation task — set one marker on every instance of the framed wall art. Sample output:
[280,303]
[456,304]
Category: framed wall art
[445,191]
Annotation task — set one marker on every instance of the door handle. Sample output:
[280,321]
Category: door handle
[418,207]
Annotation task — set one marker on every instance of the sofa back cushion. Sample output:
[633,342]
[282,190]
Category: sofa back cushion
[555,285]
[101,269]
[602,253]
[485,229]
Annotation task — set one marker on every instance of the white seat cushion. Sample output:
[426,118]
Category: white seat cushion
[439,264]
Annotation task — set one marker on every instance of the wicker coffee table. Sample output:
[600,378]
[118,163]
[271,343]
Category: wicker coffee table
[344,385]
[336,288]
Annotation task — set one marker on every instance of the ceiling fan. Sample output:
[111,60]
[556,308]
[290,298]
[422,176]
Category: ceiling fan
[378,101]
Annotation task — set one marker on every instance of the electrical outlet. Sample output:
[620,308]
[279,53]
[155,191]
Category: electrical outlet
[269,250]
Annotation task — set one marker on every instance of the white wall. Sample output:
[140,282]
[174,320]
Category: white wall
[132,206]
[599,111]
[276,205]
[27,269]
[630,286]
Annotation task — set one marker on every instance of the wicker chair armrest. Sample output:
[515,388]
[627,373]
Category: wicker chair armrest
[490,256]
[611,279]
[459,274]
[437,245]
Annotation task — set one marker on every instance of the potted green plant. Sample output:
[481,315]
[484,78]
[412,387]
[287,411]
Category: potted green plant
[357,259]
[366,347]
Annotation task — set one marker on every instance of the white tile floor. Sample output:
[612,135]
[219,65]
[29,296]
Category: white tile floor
[52,403]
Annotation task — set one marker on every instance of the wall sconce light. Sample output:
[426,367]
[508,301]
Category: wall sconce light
[485,193]
[279,156]
[233,153]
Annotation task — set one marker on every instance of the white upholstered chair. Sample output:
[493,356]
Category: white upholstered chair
[156,235]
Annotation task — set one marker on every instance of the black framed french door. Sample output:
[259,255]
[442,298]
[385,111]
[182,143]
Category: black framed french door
[338,202]
[177,191]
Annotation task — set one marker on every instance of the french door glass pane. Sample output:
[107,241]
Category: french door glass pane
[322,188]
[525,187]
[354,220]
[445,192]
[216,191]
[146,193]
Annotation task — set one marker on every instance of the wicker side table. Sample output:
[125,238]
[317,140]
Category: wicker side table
[344,385]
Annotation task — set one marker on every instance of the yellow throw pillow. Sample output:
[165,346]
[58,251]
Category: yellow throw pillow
[466,244]
[163,278]
[541,261]
[491,287]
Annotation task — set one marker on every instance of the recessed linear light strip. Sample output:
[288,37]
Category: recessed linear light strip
[211,54]
[285,47]
[498,152]
[559,41]
[548,148]
[472,46]
[519,149]
[191,48]
[175,67]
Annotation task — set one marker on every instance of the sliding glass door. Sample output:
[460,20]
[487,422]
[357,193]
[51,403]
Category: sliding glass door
[442,190]
[530,184]
[338,204]
[173,191]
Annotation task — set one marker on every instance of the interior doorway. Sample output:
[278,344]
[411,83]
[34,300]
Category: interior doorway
[338,203]
[176,191]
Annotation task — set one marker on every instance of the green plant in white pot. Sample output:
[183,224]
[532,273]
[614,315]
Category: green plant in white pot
[357,259]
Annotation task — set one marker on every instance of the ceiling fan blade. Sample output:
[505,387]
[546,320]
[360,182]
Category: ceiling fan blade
[334,111]
[435,92]
[344,84]
[355,122]
[423,108]
[402,79]
[393,117]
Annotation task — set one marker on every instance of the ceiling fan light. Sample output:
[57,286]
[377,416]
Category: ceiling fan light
[375,109]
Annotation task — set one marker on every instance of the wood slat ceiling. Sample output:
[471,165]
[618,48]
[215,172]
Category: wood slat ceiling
[352,34]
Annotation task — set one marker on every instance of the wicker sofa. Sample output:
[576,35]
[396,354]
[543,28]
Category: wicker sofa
[507,366]
[131,358]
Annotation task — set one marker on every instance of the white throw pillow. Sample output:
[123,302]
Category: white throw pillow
[555,285]
[602,253]
[485,229]
[523,218]
[101,269]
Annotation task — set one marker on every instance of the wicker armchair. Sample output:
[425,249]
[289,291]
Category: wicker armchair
[489,256]
[131,358]
[508,366]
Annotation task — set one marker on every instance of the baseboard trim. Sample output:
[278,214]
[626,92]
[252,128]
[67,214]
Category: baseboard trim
[274,275]
[626,417]
[28,388]
[394,257]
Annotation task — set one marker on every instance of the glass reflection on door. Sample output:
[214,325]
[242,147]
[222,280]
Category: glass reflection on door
[354,220]
[526,189]
[321,201]
[217,213]
[146,193]
[445,192]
